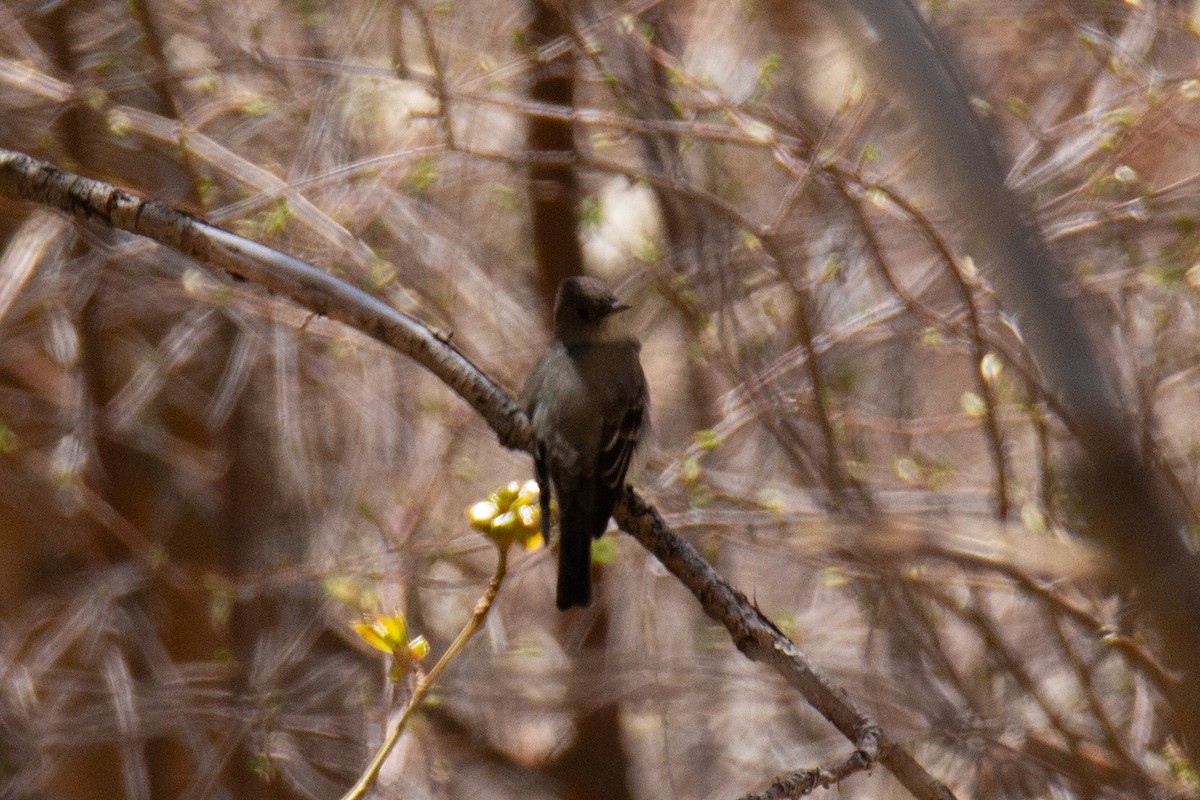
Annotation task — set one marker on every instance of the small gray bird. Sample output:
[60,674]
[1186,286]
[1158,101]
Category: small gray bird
[588,404]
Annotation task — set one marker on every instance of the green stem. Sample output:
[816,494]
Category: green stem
[425,683]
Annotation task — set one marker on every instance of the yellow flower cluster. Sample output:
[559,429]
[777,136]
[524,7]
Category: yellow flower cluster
[510,514]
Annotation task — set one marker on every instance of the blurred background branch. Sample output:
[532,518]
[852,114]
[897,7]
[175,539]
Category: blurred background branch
[1132,509]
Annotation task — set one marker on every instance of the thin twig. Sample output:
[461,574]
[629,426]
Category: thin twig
[436,63]
[425,683]
[806,781]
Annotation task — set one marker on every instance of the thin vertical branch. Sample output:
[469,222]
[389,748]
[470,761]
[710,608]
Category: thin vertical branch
[425,682]
[440,85]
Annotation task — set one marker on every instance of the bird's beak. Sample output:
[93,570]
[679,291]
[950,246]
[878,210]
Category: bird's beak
[618,306]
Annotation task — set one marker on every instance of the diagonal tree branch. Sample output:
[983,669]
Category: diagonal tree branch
[305,284]
[760,640]
[1130,505]
[751,631]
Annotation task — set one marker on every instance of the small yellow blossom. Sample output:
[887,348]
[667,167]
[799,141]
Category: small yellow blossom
[389,633]
[511,514]
[385,632]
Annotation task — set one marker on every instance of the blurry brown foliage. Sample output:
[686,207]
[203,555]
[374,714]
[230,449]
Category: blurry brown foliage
[201,485]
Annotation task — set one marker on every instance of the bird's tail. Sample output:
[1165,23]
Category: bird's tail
[574,561]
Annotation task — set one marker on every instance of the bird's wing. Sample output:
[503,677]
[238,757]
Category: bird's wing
[542,458]
[618,439]
[541,466]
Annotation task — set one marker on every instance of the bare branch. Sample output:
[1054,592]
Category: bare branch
[760,640]
[806,781]
[277,272]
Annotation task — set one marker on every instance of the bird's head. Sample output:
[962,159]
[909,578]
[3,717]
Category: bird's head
[581,308]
